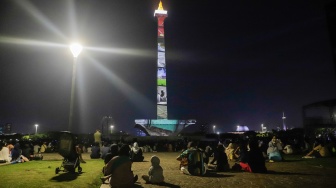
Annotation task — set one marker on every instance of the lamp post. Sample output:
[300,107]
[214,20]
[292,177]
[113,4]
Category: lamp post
[214,129]
[75,49]
[36,125]
[112,128]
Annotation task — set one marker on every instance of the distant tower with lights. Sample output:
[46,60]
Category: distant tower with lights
[283,121]
[162,112]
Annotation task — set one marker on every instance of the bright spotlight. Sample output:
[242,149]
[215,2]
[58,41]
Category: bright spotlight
[76,49]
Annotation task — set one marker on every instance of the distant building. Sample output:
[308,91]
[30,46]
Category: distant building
[319,115]
[242,128]
[6,129]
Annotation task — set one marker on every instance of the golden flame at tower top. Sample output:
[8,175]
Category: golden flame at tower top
[160,11]
[160,6]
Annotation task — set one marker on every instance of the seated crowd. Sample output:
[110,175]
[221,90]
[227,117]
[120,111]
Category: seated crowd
[248,155]
[19,153]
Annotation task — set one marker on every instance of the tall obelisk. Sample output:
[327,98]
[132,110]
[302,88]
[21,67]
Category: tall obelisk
[162,112]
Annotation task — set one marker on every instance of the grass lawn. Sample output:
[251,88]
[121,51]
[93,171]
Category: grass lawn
[42,174]
[329,162]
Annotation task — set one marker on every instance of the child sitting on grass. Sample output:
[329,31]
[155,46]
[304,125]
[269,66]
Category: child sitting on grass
[155,173]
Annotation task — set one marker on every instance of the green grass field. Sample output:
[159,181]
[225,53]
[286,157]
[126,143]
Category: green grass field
[42,174]
[161,82]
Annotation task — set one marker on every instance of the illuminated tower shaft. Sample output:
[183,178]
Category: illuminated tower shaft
[162,112]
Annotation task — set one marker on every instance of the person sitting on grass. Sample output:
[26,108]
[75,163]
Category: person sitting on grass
[155,173]
[274,148]
[114,150]
[120,169]
[255,159]
[288,149]
[4,153]
[95,151]
[104,150]
[320,150]
[191,161]
[241,154]
[17,156]
[222,160]
[229,150]
[136,153]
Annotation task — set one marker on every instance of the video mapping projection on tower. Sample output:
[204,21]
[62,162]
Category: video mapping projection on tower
[162,112]
[162,126]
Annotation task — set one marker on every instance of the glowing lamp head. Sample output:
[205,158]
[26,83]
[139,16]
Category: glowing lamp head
[75,49]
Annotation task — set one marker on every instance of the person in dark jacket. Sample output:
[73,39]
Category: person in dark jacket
[136,153]
[95,151]
[222,160]
[255,158]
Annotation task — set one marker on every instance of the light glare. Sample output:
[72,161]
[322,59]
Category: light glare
[76,49]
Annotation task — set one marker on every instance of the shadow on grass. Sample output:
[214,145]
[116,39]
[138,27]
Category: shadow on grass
[67,176]
[288,173]
[291,160]
[165,184]
[216,175]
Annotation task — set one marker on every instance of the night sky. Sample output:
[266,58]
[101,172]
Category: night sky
[229,63]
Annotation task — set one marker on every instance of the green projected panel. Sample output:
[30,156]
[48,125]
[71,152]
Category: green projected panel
[164,124]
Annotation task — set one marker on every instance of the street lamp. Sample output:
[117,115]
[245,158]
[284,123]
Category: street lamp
[36,125]
[214,129]
[112,128]
[75,49]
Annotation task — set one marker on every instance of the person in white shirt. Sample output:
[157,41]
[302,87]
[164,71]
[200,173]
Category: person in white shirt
[4,153]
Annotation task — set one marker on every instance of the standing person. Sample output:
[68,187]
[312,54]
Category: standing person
[155,173]
[97,137]
[191,161]
[120,169]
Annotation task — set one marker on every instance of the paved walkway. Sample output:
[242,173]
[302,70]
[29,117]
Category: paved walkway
[295,173]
